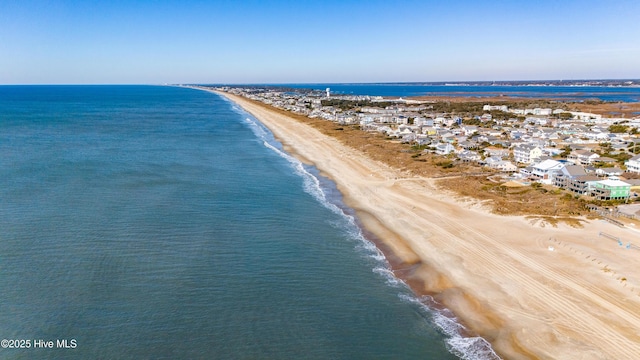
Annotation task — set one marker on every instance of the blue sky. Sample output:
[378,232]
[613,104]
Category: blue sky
[154,42]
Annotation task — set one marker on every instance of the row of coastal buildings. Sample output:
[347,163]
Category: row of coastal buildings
[550,146]
[602,183]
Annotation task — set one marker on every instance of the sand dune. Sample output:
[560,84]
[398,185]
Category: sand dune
[533,291]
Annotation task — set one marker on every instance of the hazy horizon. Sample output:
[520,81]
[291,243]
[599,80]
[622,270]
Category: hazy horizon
[435,83]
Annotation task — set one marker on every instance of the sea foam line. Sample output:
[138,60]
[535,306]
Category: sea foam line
[467,348]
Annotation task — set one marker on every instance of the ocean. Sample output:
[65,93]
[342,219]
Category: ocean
[156,222]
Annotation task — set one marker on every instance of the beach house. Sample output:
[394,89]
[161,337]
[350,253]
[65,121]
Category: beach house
[469,156]
[610,189]
[545,171]
[574,178]
[497,163]
[444,149]
[582,157]
[633,164]
[526,153]
[609,171]
[497,152]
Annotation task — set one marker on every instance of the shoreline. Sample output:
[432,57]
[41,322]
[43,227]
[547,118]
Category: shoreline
[481,271]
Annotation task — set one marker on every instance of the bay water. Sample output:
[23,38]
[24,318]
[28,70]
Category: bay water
[556,92]
[151,222]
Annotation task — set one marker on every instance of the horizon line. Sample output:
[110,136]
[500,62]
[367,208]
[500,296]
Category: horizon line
[454,82]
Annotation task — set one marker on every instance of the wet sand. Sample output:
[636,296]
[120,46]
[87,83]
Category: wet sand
[532,291]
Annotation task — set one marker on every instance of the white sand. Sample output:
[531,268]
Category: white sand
[580,300]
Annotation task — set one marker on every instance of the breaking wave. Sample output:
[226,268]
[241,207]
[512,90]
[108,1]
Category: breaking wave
[465,347]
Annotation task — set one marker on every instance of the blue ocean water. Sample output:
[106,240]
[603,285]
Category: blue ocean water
[165,223]
[573,93]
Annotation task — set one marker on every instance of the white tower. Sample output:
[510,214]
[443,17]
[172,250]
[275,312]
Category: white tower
[328,92]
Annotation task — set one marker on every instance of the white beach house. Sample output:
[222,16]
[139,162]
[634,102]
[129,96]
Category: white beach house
[526,153]
[633,164]
[545,171]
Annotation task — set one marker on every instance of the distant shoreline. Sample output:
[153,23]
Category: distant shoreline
[567,83]
[511,92]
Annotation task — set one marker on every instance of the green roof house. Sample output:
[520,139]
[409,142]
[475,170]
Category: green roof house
[610,189]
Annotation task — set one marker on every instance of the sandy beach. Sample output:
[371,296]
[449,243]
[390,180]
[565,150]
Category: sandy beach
[532,290]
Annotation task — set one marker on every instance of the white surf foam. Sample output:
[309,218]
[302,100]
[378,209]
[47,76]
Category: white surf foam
[388,275]
[465,347]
